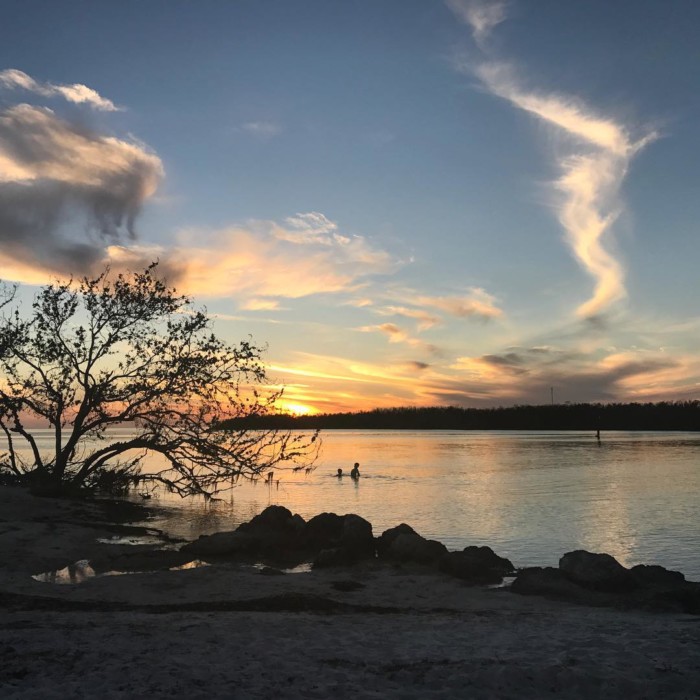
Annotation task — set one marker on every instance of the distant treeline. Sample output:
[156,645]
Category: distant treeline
[674,415]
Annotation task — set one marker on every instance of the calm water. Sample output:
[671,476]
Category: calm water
[530,495]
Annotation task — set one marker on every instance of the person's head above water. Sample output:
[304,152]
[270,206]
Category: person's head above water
[340,472]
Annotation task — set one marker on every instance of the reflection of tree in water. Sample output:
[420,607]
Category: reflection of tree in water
[202,517]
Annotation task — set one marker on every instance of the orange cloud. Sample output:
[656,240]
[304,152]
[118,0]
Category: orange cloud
[477,302]
[263,262]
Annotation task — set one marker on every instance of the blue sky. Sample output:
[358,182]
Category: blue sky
[411,202]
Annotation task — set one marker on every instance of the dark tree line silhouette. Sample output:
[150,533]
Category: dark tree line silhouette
[665,415]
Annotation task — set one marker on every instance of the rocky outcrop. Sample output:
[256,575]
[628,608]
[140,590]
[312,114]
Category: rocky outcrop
[347,532]
[278,536]
[402,544]
[274,533]
[599,579]
[656,576]
[600,572]
[323,531]
[386,539]
[473,565]
[339,540]
[476,565]
[275,529]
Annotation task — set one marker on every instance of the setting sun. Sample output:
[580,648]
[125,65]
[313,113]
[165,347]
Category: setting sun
[298,409]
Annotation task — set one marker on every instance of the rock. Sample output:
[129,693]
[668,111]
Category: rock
[350,532]
[323,531]
[488,559]
[275,529]
[222,544]
[476,565]
[652,576]
[600,572]
[681,598]
[385,540]
[546,581]
[411,547]
[356,536]
[271,571]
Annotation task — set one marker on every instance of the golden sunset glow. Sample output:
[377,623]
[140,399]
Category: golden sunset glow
[297,409]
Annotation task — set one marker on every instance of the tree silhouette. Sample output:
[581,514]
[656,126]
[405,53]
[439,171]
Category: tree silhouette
[127,350]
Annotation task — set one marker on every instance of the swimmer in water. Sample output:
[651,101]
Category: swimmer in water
[355,473]
[340,473]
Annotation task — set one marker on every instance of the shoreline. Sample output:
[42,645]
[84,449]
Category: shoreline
[364,631]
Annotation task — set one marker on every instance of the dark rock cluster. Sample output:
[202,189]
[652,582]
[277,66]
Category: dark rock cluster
[278,537]
[599,579]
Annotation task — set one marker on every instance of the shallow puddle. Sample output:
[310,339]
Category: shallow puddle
[81,571]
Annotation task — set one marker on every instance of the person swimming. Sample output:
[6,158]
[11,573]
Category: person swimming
[340,473]
[355,473]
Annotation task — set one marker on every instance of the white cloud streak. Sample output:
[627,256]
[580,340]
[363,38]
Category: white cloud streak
[76,93]
[591,175]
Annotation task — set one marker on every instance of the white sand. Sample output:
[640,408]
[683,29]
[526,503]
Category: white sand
[442,639]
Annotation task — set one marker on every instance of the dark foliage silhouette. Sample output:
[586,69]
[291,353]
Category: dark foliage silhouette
[128,351]
[673,415]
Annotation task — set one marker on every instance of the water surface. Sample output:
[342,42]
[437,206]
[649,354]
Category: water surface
[532,496]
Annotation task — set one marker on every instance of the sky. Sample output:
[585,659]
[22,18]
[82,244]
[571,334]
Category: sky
[407,202]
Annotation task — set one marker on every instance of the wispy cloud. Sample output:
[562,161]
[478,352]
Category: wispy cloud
[598,157]
[481,15]
[260,305]
[262,129]
[476,302]
[261,262]
[54,173]
[397,334]
[76,93]
[597,154]
[424,319]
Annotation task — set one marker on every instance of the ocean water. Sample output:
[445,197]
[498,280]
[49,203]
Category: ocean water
[531,496]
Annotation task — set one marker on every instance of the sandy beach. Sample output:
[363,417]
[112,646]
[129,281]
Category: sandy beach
[367,631]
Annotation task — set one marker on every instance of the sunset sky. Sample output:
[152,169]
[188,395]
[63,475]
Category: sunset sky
[411,202]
